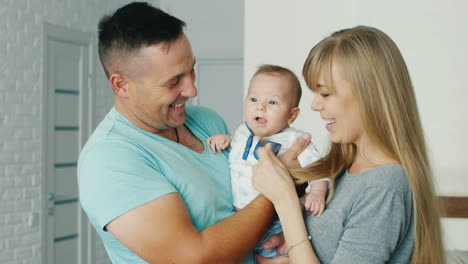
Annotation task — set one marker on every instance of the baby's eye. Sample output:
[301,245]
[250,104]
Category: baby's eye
[253,100]
[272,102]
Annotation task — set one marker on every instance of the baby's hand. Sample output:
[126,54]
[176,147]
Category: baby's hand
[219,142]
[315,203]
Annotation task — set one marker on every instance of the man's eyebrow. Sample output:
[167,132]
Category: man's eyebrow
[179,75]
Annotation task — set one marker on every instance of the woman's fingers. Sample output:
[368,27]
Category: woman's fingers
[289,158]
[265,152]
[270,176]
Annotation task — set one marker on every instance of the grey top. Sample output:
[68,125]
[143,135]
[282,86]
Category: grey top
[369,220]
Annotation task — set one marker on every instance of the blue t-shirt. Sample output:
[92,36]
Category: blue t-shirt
[122,167]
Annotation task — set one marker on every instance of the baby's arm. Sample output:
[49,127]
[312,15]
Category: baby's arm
[315,199]
[219,142]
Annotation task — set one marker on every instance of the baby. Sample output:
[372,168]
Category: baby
[270,106]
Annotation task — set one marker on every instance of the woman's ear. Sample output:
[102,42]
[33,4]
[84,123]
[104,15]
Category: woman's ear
[119,84]
[294,113]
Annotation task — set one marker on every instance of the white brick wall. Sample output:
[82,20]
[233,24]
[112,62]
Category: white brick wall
[21,117]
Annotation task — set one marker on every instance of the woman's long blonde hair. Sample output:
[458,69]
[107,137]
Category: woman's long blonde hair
[383,89]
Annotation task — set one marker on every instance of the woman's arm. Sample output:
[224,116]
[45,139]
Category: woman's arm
[272,179]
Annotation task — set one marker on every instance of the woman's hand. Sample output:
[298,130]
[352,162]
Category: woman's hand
[271,176]
[272,179]
[289,158]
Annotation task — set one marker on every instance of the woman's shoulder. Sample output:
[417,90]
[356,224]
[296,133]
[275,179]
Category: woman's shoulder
[388,176]
[387,171]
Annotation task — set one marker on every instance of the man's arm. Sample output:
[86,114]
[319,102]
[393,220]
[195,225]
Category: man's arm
[161,231]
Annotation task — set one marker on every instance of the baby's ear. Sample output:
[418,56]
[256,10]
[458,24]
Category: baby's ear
[294,113]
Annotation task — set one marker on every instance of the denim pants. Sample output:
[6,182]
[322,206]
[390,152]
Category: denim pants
[274,229]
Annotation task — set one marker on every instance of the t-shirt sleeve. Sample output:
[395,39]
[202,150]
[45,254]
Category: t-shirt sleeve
[117,176]
[375,224]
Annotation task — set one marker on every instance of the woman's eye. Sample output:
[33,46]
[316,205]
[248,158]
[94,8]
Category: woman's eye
[272,102]
[324,94]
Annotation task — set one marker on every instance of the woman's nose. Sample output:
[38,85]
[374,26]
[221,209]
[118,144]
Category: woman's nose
[316,103]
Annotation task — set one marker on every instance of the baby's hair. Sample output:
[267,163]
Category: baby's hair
[278,70]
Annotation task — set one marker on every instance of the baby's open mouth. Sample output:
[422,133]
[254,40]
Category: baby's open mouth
[260,120]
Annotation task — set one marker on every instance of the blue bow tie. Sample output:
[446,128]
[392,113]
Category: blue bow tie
[248,145]
[276,147]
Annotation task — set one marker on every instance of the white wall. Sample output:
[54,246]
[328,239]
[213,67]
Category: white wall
[216,31]
[21,60]
[432,35]
[214,27]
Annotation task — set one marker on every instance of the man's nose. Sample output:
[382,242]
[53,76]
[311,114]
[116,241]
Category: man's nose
[189,90]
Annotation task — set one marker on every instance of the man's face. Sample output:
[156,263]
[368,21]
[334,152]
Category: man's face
[161,82]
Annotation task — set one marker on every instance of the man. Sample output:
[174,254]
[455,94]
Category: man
[148,182]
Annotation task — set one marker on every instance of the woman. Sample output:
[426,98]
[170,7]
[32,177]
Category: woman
[382,207]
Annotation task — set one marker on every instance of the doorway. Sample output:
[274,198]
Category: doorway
[67,78]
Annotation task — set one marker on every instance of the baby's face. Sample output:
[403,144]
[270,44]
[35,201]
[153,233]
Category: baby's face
[269,104]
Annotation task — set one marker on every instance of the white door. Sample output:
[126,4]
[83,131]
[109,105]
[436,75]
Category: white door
[66,127]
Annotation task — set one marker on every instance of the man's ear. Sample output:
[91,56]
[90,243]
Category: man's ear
[294,113]
[119,84]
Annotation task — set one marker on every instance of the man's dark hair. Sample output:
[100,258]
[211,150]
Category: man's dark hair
[133,26]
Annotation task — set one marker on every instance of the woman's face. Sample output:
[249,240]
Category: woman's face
[339,109]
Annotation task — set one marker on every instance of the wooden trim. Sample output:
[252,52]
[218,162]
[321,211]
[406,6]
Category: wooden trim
[450,206]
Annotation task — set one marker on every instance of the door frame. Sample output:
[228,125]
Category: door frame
[55,32]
